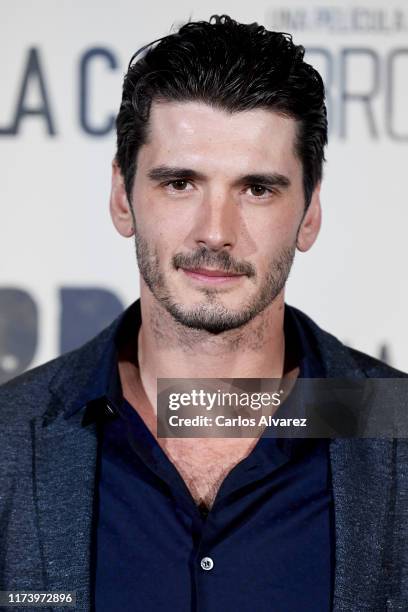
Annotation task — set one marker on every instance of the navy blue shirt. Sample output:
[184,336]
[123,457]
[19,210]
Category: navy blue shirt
[266,545]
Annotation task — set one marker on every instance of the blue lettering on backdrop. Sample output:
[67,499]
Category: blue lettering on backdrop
[364,98]
[84,312]
[389,99]
[33,74]
[386,20]
[336,71]
[18,331]
[84,94]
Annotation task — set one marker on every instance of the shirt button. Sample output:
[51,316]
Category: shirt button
[207,563]
[204,511]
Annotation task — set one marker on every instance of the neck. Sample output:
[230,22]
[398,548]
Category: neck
[167,349]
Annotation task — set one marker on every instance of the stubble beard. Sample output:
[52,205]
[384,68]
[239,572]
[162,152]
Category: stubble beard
[211,315]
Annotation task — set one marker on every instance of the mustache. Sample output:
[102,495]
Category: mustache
[220,260]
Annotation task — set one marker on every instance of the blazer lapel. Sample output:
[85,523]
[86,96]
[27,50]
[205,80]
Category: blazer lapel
[65,465]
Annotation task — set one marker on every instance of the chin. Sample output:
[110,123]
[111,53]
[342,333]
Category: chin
[215,318]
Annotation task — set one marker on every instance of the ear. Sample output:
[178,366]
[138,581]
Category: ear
[119,204]
[310,226]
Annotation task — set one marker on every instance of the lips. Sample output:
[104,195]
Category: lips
[209,276]
[213,273]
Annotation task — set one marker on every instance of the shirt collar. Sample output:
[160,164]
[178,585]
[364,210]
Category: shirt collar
[299,339]
[104,383]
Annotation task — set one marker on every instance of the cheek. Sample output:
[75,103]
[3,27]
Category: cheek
[162,238]
[159,217]
[288,224]
[272,233]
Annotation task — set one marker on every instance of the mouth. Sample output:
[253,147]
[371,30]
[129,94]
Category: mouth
[207,275]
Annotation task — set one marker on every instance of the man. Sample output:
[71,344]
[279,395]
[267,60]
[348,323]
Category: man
[221,136]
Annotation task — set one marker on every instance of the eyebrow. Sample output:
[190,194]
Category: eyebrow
[170,173]
[271,179]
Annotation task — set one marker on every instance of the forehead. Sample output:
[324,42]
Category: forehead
[198,134]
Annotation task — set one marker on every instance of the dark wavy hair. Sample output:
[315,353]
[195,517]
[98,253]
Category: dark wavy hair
[231,66]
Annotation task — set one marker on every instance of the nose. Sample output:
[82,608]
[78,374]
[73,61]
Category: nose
[216,222]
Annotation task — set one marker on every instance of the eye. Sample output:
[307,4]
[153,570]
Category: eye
[178,184]
[259,190]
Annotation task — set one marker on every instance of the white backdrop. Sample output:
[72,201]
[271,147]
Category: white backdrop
[55,229]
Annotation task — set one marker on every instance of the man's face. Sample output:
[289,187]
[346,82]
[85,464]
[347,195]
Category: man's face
[218,201]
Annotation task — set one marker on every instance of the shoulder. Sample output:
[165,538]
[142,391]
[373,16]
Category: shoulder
[30,394]
[374,368]
[340,359]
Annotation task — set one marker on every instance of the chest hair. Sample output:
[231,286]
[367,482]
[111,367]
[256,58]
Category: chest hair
[204,463]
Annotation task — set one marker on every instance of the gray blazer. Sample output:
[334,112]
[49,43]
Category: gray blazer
[47,475]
